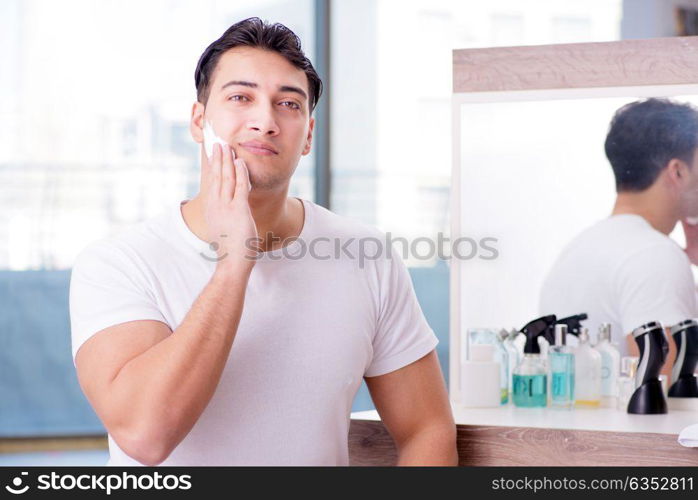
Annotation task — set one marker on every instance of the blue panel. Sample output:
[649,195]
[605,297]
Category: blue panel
[39,391]
[431,286]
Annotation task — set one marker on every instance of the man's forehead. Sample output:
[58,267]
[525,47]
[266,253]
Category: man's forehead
[263,67]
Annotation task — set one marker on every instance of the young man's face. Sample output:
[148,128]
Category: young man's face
[258,99]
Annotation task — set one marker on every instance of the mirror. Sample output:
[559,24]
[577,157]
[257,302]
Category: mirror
[532,175]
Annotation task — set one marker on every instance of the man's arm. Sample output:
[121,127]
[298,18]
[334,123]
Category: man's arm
[413,404]
[150,386]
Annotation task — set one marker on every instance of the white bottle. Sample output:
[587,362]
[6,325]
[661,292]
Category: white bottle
[480,378]
[610,367]
[587,373]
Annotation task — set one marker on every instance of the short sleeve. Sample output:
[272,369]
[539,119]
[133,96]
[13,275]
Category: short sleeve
[655,284]
[403,334]
[106,288]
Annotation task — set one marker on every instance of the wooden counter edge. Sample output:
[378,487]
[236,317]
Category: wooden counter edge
[371,445]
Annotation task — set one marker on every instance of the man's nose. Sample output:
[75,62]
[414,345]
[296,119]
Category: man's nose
[262,120]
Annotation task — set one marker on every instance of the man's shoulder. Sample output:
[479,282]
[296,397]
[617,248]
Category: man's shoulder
[331,224]
[619,237]
[127,243]
[634,237]
[350,238]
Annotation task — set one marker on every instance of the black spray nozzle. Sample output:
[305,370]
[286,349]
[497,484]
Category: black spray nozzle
[534,329]
[574,324]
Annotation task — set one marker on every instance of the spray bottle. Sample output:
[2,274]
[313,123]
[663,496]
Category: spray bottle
[530,376]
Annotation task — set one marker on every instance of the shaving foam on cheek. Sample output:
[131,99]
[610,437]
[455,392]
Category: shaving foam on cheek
[210,138]
[692,220]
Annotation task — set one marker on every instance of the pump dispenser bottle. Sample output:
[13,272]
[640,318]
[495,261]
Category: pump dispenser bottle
[587,373]
[530,376]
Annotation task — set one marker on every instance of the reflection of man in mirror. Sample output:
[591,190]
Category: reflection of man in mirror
[625,270]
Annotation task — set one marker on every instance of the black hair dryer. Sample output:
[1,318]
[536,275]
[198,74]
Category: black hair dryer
[648,397]
[684,383]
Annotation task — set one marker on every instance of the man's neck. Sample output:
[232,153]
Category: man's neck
[276,217]
[648,204]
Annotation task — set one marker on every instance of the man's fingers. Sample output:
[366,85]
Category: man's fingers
[214,171]
[227,174]
[242,179]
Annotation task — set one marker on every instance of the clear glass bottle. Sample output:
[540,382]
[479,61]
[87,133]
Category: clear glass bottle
[514,358]
[502,357]
[531,382]
[626,381]
[587,372]
[562,367]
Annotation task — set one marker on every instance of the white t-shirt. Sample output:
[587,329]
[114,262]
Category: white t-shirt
[624,272]
[312,327]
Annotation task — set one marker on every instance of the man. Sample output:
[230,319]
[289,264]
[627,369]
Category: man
[625,270]
[203,337]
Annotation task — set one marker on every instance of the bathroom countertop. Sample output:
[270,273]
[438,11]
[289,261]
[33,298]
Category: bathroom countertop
[599,419]
[511,436]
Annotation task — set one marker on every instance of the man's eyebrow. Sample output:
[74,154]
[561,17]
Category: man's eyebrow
[239,82]
[253,85]
[288,88]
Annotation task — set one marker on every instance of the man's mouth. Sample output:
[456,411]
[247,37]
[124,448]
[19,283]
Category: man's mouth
[259,148]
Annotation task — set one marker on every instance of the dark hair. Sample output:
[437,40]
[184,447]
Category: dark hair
[645,136]
[253,32]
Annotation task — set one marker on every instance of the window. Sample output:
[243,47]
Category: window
[95,99]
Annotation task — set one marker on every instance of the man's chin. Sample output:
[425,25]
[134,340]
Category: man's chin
[266,183]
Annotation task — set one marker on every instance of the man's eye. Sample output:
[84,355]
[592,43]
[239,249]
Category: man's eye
[291,104]
[236,97]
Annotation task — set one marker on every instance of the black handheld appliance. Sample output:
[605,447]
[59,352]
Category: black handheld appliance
[684,383]
[648,397]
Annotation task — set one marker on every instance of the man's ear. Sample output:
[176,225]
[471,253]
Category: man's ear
[309,139]
[677,172]
[196,124]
